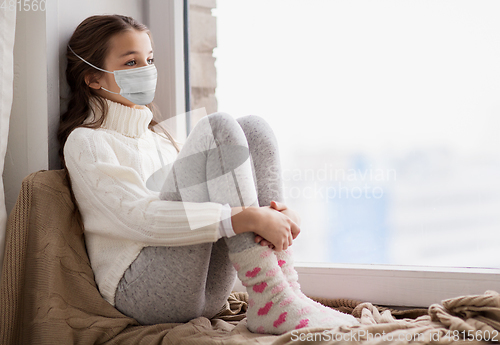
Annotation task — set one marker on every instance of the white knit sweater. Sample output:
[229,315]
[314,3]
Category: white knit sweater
[108,168]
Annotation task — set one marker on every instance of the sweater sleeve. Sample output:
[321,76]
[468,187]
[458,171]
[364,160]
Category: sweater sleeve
[115,202]
[226,226]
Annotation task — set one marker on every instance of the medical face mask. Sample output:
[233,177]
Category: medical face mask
[138,85]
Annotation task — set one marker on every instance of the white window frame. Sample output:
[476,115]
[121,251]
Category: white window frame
[392,285]
[165,19]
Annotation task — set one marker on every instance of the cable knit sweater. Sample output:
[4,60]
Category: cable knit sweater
[108,168]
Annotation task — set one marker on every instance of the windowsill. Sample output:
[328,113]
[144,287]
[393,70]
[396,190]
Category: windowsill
[404,286]
[407,268]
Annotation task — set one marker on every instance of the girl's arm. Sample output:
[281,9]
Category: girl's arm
[115,202]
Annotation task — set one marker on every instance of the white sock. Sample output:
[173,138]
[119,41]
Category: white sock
[273,306]
[286,262]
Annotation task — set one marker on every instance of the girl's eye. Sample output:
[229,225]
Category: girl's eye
[133,62]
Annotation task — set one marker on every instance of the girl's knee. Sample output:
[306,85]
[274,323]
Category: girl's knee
[215,119]
[225,128]
[254,123]
[220,115]
[256,127]
[252,120]
[221,120]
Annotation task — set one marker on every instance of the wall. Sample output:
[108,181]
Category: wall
[69,15]
[40,44]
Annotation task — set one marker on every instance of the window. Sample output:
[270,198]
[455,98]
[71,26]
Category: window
[202,71]
[387,116]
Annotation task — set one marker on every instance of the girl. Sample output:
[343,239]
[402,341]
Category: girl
[171,256]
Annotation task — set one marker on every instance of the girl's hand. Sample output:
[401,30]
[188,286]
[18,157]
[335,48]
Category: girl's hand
[275,229]
[263,242]
[278,206]
[288,212]
[266,222]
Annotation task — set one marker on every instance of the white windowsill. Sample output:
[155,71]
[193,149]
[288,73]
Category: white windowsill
[408,286]
[407,268]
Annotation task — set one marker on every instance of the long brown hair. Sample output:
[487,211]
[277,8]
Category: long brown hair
[91,41]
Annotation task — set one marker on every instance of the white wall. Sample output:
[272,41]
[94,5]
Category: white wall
[69,15]
[40,45]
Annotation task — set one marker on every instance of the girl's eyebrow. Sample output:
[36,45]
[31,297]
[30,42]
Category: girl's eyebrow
[133,52]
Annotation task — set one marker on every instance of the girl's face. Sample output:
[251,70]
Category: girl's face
[129,49]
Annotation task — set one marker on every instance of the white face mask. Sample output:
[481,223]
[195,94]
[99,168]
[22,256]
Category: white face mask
[138,85]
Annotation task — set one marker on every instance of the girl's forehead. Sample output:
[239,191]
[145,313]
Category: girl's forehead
[130,41]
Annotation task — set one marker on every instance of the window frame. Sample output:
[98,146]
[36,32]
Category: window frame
[165,19]
[391,285]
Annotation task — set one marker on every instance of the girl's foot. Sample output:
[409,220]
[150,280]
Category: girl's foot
[273,306]
[286,262]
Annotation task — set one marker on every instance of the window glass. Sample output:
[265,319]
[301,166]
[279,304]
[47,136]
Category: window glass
[387,115]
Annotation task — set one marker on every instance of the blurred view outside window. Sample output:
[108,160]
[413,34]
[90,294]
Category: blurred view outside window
[387,115]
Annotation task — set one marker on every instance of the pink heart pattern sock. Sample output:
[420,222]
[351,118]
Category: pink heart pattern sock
[286,263]
[273,307]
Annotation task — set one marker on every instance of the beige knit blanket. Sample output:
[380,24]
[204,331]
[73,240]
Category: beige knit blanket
[48,295]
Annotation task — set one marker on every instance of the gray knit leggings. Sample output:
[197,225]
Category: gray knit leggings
[177,284]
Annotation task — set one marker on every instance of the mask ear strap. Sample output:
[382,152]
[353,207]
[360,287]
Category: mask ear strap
[116,93]
[88,63]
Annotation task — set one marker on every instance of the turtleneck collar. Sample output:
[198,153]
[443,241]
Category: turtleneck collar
[131,122]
